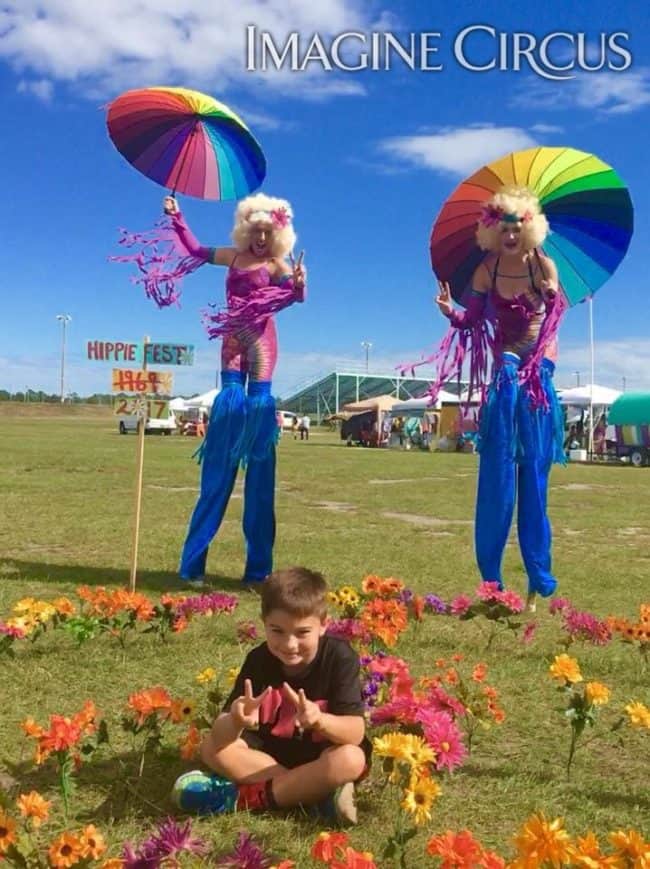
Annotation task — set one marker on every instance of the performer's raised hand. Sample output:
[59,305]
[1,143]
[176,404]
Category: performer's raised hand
[443,299]
[299,272]
[245,710]
[170,205]
[308,713]
[548,289]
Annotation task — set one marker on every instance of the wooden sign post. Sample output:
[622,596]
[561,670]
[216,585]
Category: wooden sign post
[146,384]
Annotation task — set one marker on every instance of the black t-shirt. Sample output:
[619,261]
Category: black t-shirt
[331,680]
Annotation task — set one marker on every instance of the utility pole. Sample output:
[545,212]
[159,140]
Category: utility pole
[64,319]
[367,346]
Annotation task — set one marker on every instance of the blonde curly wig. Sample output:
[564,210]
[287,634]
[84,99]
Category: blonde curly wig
[268,211]
[511,205]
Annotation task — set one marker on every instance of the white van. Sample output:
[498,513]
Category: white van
[287,418]
[161,426]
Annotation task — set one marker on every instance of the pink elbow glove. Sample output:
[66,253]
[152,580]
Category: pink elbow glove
[473,313]
[187,240]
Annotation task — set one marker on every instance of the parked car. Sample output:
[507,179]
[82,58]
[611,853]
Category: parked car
[159,426]
[630,415]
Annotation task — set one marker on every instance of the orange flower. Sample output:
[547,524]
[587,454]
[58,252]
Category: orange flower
[148,702]
[92,843]
[457,657]
[7,832]
[117,863]
[65,851]
[456,849]
[180,623]
[418,607]
[479,672]
[285,864]
[451,677]
[64,607]
[565,669]
[351,859]
[440,663]
[32,805]
[324,848]
[190,743]
[385,619]
[491,860]
[85,719]
[371,584]
[31,728]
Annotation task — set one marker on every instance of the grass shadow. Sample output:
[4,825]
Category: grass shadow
[12,569]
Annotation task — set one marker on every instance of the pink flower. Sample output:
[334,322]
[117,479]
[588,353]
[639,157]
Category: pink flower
[558,604]
[529,632]
[491,215]
[444,737]
[488,591]
[512,600]
[402,709]
[441,701]
[12,631]
[280,217]
[460,605]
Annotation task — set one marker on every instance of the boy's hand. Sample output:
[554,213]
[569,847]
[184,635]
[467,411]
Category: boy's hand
[308,714]
[245,710]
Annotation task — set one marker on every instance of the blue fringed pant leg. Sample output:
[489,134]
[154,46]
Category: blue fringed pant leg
[221,453]
[259,487]
[517,445]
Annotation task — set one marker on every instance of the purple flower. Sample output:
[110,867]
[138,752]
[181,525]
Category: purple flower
[170,838]
[405,595]
[435,604]
[207,604]
[247,855]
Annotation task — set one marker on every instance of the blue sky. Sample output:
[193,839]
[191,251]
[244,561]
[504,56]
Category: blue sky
[366,158]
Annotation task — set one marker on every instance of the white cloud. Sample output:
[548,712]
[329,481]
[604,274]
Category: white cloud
[627,358]
[458,150]
[608,93]
[104,47]
[546,128]
[42,88]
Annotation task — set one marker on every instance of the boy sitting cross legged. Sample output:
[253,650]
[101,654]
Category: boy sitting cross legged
[292,731]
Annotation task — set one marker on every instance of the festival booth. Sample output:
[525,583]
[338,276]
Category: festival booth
[447,421]
[630,418]
[366,423]
[585,406]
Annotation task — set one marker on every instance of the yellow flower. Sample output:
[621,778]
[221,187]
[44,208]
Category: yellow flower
[416,751]
[631,845]
[231,676]
[596,693]
[639,714]
[207,675]
[333,598]
[32,805]
[419,797]
[25,623]
[540,841]
[389,745]
[565,669]
[24,605]
[182,710]
[7,832]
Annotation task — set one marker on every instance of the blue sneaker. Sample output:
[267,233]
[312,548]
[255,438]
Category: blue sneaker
[203,793]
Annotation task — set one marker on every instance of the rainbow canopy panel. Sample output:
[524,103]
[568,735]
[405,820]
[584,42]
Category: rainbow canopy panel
[588,208]
[186,141]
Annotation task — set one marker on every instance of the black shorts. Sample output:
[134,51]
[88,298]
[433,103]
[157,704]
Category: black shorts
[291,753]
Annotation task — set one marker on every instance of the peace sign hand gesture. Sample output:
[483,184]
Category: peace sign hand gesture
[299,272]
[245,710]
[443,299]
[308,713]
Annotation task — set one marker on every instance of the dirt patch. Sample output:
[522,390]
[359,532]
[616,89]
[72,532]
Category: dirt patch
[336,506]
[572,532]
[632,531]
[426,521]
[581,487]
[403,480]
[173,488]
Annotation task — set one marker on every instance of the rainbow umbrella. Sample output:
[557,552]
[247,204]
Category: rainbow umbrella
[588,208]
[186,141]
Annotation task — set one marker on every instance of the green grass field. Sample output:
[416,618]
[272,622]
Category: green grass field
[67,491]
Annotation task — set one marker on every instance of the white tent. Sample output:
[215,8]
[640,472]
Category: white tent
[584,396]
[178,405]
[204,401]
[417,406]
